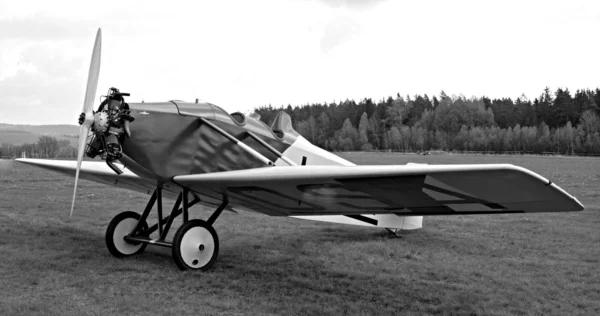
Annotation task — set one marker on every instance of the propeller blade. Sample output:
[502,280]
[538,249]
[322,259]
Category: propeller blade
[93,74]
[83,133]
[88,103]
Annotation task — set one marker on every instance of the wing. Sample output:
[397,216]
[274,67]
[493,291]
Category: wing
[96,171]
[403,190]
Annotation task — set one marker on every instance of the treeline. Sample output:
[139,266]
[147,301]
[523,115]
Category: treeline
[556,122]
[45,147]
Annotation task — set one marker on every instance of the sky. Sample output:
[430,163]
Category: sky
[243,54]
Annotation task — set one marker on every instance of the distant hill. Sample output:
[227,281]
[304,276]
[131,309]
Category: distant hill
[22,134]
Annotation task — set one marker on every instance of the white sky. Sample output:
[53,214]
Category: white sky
[243,54]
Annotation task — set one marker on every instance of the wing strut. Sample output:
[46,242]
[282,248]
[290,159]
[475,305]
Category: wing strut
[271,149]
[236,141]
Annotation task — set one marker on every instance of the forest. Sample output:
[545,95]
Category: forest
[45,147]
[556,122]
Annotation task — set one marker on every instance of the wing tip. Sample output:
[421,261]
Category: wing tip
[581,206]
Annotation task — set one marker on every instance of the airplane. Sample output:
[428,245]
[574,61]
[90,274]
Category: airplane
[197,153]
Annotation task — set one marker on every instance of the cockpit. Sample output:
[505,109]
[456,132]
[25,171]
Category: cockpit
[281,128]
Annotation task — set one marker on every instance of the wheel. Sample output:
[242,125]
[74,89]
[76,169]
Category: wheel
[195,246]
[119,227]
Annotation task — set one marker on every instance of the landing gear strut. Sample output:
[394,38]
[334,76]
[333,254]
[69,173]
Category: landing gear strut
[195,245]
[394,233]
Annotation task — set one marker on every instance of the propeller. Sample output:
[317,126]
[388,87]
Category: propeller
[90,95]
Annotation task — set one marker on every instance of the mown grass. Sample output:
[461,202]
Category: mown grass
[526,264]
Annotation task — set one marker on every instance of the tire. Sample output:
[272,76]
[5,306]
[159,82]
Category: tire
[119,227]
[195,246]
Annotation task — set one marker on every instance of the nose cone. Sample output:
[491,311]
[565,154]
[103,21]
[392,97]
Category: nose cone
[89,119]
[100,122]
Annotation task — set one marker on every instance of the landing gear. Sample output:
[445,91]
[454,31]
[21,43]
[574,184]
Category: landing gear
[119,228]
[394,232]
[195,245]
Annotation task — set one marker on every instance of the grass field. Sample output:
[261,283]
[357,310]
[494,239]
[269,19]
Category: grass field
[525,264]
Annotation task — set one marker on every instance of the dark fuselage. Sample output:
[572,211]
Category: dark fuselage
[168,139]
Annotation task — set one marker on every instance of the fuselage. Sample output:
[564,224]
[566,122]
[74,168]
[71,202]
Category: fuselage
[169,139]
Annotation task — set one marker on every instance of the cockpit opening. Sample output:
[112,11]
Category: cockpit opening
[239,117]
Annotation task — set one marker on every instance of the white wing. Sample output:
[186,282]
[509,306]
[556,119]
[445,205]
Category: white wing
[405,190]
[96,171]
[402,190]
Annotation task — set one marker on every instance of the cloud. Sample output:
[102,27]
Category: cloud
[56,82]
[34,100]
[352,4]
[41,27]
[51,62]
[337,31]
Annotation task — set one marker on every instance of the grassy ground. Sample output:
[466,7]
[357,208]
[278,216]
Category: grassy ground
[523,264]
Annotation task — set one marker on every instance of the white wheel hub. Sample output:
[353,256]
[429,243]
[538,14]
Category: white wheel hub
[124,228]
[197,247]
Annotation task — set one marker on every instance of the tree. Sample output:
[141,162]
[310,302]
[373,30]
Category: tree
[525,111]
[363,137]
[397,113]
[461,141]
[569,137]
[495,138]
[48,146]
[529,137]
[450,118]
[395,138]
[323,129]
[583,101]
[435,102]
[508,139]
[563,108]
[597,99]
[374,131]
[419,136]
[441,139]
[406,138]
[544,139]
[348,138]
[478,138]
[543,108]
[589,122]
[418,106]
